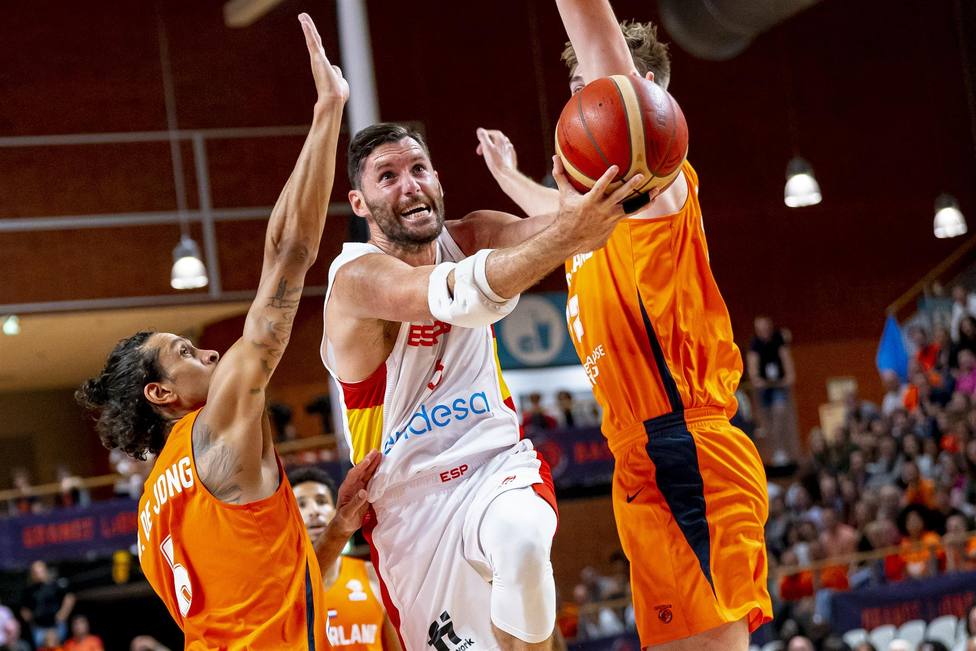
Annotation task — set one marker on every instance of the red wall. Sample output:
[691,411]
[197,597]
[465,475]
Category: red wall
[878,97]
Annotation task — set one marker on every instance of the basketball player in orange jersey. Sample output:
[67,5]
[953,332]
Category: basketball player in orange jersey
[220,536]
[654,336]
[357,620]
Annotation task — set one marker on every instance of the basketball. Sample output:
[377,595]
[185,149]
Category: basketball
[625,121]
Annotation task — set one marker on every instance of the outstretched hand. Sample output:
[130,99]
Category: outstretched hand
[498,152]
[590,218]
[351,501]
[329,83]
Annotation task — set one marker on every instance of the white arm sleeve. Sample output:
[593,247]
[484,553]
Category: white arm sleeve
[473,304]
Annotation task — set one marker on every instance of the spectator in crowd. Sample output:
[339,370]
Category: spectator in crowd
[960,551]
[926,350]
[887,468]
[966,339]
[771,372]
[895,389]
[800,643]
[81,637]
[10,632]
[966,373]
[73,491]
[50,642]
[963,305]
[917,489]
[922,551]
[595,621]
[567,409]
[536,417]
[132,473]
[146,643]
[47,604]
[26,501]
[837,538]
[281,416]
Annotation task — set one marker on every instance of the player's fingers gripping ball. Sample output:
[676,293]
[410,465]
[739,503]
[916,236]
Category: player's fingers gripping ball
[627,121]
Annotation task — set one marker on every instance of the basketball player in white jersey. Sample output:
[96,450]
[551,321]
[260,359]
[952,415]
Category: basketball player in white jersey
[463,510]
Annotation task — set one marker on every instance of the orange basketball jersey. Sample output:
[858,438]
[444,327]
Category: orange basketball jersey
[649,323]
[233,576]
[355,614]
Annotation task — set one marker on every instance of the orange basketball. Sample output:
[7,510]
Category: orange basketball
[625,121]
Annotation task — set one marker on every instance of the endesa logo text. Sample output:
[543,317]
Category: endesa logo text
[427,419]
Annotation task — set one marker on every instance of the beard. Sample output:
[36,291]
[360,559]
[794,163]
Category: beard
[404,233]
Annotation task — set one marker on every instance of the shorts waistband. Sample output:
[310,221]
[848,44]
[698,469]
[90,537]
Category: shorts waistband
[440,478]
[640,431]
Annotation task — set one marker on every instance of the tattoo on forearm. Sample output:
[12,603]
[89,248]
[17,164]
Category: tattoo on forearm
[217,464]
[276,326]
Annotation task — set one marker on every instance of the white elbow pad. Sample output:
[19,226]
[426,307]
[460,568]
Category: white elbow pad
[474,304]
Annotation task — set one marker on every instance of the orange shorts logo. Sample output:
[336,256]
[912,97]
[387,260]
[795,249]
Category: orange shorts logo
[664,613]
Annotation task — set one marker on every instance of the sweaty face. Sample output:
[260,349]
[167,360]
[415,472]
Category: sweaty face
[187,370]
[316,505]
[402,193]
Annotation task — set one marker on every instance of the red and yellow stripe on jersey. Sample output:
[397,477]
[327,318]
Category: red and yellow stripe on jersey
[364,412]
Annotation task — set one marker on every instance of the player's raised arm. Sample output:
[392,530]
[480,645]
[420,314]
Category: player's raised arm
[235,402]
[474,292]
[596,37]
[533,198]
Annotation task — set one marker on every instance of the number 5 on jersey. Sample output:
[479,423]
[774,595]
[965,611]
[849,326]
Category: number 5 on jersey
[181,578]
[573,317]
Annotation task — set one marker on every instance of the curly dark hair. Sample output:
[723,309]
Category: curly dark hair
[649,53]
[124,419]
[314,474]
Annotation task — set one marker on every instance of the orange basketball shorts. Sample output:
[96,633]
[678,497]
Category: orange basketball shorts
[690,503]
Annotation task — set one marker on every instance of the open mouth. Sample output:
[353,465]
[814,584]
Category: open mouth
[316,531]
[416,211]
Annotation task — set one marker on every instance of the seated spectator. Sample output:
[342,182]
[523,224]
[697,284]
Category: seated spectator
[966,375]
[963,305]
[26,501]
[73,491]
[895,389]
[887,468]
[830,497]
[965,341]
[921,547]
[926,350]
[50,641]
[800,643]
[536,418]
[566,409]
[804,583]
[837,538]
[81,638]
[959,548]
[10,632]
[595,621]
[47,604]
[918,489]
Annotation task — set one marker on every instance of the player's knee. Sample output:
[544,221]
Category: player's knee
[521,532]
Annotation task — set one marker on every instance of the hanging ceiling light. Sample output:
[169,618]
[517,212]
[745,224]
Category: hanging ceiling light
[189,271]
[802,188]
[949,220]
[11,325]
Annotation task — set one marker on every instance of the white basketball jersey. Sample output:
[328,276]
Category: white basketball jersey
[438,399]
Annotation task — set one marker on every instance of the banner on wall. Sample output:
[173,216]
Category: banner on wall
[897,603]
[535,335]
[99,529]
[578,457]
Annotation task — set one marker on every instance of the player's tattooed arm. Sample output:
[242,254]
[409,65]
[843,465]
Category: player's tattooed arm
[235,408]
[218,464]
